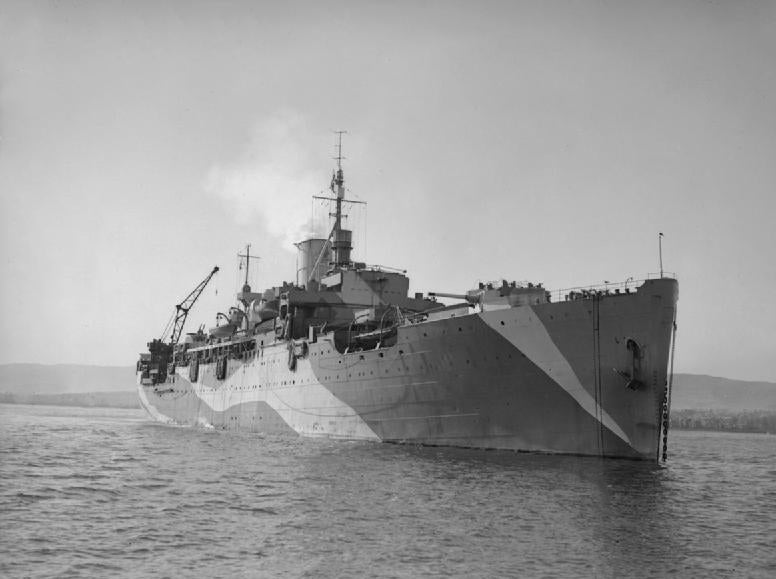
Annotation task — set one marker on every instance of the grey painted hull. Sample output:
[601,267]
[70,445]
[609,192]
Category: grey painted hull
[546,378]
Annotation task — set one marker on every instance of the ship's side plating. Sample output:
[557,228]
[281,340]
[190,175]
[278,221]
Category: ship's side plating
[583,376]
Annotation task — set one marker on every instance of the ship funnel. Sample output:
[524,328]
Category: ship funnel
[343,244]
[308,252]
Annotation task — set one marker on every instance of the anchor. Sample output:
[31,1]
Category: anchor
[632,377]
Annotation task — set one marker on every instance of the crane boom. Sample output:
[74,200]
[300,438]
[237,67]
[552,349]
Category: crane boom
[182,309]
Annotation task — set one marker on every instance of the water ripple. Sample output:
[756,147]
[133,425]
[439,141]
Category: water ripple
[97,492]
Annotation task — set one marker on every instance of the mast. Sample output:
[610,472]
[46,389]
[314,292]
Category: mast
[247,255]
[339,239]
[342,242]
[660,251]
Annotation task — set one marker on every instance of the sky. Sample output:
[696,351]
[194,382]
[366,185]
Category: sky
[142,143]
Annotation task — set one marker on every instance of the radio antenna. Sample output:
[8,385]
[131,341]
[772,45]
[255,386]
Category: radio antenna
[339,156]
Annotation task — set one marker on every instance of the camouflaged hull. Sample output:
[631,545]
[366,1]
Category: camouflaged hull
[549,378]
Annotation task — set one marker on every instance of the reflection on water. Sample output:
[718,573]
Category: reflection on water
[97,491]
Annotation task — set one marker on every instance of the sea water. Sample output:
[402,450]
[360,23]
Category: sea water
[108,493]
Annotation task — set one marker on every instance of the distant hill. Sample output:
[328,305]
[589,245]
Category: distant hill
[126,399]
[699,392]
[65,378]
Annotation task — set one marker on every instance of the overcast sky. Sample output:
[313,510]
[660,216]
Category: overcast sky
[142,143]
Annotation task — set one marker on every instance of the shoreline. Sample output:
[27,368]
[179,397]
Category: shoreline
[711,420]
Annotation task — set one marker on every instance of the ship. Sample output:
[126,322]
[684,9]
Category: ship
[345,352]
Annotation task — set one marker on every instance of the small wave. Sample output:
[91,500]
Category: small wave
[79,489]
[80,476]
[125,459]
[105,432]
[175,509]
[244,553]
[270,495]
[95,566]
[254,510]
[150,486]
[32,497]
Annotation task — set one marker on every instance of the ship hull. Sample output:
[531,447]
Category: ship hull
[586,376]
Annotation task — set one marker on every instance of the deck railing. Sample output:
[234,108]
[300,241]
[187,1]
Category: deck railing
[605,288]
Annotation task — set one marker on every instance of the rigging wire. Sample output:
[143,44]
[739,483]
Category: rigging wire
[167,326]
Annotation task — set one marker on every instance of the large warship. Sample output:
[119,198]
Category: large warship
[345,352]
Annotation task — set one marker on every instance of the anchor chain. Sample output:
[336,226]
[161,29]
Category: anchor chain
[664,423]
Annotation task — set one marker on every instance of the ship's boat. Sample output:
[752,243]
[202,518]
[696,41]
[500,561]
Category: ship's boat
[345,352]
